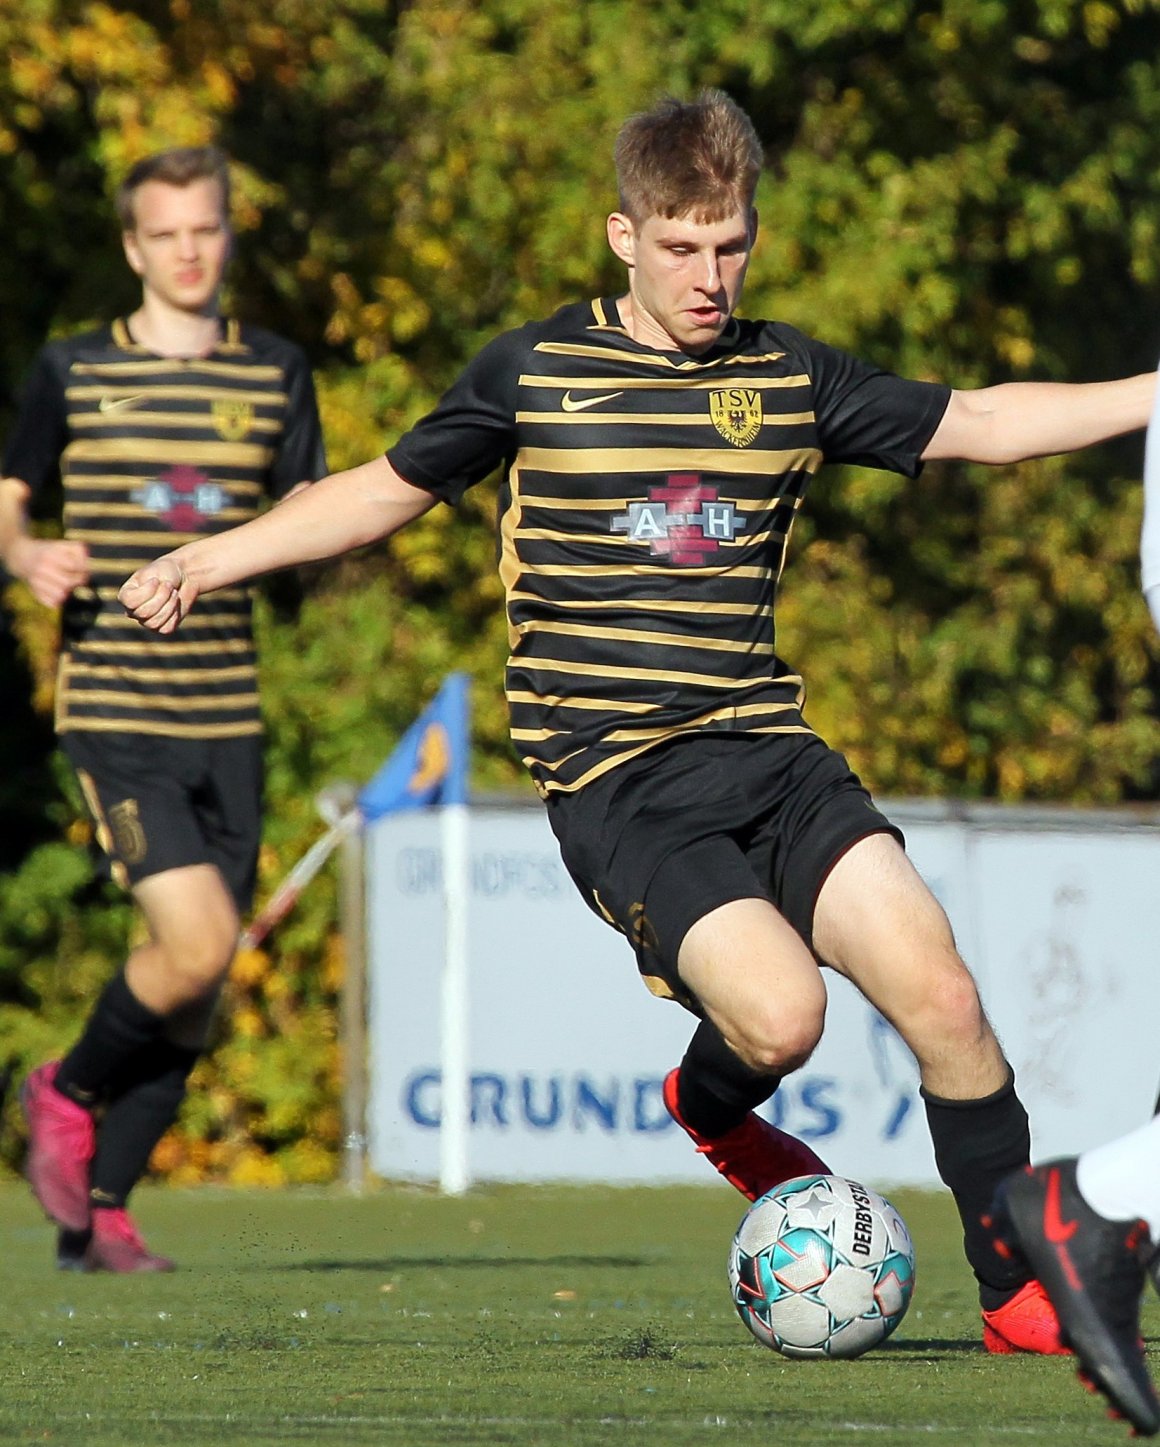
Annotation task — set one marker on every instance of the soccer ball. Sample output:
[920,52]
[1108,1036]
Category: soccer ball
[821,1267]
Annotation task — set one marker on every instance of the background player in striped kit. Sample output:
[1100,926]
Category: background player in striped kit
[655,449]
[167,425]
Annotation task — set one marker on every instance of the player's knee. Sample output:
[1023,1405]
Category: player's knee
[781,1037]
[199,964]
[949,1007]
[957,1000]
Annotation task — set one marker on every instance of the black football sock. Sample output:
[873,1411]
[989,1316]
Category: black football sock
[977,1144]
[135,1121]
[119,1026]
[716,1090]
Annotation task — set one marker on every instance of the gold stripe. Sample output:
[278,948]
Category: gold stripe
[648,605]
[156,542]
[660,384]
[554,786]
[745,462]
[594,670]
[126,699]
[604,570]
[552,535]
[605,504]
[181,392]
[153,452]
[559,700]
[643,635]
[178,421]
[180,367]
[101,828]
[510,566]
[630,735]
[114,482]
[243,728]
[210,648]
[656,359]
[109,674]
[661,419]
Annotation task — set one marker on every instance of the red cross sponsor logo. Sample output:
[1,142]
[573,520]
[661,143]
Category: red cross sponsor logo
[685,522]
[182,498]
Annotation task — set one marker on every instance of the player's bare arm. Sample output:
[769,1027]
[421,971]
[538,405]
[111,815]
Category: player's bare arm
[344,511]
[52,567]
[1019,420]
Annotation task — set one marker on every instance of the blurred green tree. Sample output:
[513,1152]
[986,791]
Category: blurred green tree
[961,189]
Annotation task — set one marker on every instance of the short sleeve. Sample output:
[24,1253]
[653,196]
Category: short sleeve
[33,448]
[301,456]
[472,429]
[868,416]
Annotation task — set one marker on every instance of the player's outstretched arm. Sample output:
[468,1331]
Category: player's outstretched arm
[344,511]
[1018,420]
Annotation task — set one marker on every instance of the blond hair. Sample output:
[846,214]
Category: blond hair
[699,158]
[177,167]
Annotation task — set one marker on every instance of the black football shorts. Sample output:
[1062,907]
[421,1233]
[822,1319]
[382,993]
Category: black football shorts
[660,841]
[163,803]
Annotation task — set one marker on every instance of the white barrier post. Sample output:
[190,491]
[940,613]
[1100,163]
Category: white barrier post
[454,1168]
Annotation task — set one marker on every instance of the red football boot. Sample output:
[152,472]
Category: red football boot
[1026,1323]
[61,1140]
[754,1156]
[116,1245]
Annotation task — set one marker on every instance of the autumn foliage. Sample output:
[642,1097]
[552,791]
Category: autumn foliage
[962,191]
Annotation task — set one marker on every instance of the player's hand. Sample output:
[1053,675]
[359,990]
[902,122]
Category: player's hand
[159,595]
[52,567]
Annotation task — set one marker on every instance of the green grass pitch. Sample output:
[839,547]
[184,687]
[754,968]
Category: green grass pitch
[549,1315]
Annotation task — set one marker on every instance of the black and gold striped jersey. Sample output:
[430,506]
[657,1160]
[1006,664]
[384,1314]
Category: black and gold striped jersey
[645,510]
[151,452]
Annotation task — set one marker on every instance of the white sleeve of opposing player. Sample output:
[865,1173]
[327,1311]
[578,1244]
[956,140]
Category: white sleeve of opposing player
[1152,597]
[1150,534]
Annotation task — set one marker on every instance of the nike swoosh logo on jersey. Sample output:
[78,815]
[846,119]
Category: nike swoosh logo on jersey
[579,404]
[1055,1228]
[119,404]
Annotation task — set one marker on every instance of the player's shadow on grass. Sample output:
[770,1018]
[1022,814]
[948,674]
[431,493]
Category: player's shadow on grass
[460,1263]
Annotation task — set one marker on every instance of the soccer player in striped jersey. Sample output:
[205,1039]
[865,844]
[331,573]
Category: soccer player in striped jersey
[171,424]
[655,450]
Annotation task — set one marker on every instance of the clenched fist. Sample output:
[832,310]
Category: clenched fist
[159,595]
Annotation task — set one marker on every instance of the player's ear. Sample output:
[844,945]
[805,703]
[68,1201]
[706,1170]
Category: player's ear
[622,237]
[133,252]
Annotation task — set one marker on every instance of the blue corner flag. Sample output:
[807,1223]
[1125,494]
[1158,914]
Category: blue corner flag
[429,763]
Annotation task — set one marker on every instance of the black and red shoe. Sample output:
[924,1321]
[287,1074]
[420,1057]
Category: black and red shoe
[1093,1270]
[754,1156]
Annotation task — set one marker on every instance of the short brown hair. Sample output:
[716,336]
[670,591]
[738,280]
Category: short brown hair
[176,167]
[697,158]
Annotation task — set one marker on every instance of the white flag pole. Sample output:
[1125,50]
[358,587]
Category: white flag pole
[454,1168]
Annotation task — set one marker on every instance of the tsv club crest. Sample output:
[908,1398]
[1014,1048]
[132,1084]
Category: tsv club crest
[232,419]
[736,414]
